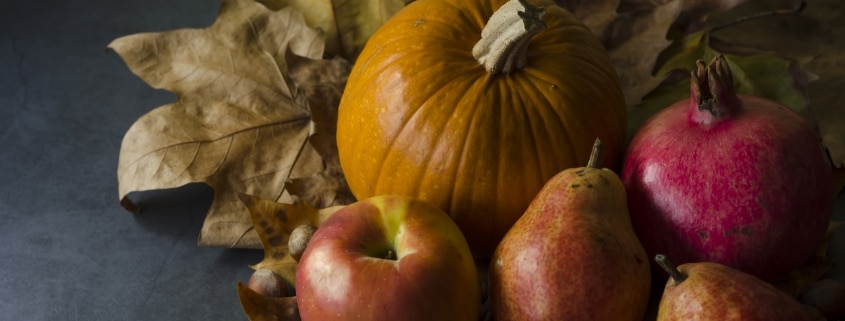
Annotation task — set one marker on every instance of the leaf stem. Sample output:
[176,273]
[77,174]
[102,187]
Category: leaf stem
[796,9]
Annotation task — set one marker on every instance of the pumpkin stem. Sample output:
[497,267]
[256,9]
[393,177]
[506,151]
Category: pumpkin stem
[712,91]
[504,41]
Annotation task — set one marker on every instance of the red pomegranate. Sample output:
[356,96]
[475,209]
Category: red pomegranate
[734,179]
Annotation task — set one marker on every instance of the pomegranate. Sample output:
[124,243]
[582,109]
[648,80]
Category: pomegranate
[734,179]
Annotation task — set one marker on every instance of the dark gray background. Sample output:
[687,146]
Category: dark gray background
[68,251]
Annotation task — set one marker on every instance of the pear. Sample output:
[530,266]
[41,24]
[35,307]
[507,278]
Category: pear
[712,291]
[573,254]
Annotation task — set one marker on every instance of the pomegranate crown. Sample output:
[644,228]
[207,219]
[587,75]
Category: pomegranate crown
[713,92]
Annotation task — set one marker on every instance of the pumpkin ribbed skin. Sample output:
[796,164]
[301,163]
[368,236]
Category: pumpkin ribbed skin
[420,117]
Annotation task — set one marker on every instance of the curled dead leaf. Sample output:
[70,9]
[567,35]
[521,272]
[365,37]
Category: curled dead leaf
[274,222]
[262,308]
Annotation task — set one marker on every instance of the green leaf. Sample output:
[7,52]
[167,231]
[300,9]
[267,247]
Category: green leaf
[772,77]
[683,53]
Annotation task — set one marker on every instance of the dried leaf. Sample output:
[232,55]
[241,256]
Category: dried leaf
[632,38]
[838,180]
[634,42]
[798,281]
[239,124]
[323,82]
[815,39]
[826,95]
[755,72]
[695,13]
[595,14]
[826,104]
[261,308]
[635,32]
[831,228]
[274,223]
[347,24]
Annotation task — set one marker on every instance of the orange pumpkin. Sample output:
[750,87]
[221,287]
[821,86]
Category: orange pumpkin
[421,116]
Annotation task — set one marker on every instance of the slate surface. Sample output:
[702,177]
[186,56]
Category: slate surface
[68,251]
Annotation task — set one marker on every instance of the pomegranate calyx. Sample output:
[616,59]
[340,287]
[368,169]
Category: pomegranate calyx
[712,91]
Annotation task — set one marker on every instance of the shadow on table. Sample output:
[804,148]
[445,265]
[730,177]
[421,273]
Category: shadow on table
[180,212]
[173,212]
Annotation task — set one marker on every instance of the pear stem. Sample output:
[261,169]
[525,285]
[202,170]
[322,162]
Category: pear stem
[670,268]
[597,156]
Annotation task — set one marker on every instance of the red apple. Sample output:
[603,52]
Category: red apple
[388,258]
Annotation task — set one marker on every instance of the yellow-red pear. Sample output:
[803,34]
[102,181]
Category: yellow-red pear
[712,291]
[573,255]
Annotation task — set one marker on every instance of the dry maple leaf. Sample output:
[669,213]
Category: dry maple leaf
[347,23]
[239,123]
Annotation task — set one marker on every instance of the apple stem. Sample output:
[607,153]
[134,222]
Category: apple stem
[390,255]
[670,268]
[597,156]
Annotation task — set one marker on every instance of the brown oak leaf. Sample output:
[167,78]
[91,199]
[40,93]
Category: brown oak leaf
[239,123]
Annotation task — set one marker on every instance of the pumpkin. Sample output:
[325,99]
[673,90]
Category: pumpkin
[477,125]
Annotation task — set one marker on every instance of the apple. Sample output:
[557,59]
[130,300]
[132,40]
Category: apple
[388,258]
